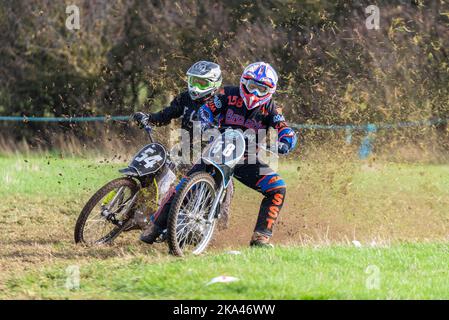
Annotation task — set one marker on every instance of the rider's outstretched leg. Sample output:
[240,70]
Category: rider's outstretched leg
[269,211]
[273,187]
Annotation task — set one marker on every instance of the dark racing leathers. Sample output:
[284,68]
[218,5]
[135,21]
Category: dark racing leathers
[231,112]
[190,112]
[182,106]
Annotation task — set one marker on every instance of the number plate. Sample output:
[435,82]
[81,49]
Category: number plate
[227,149]
[149,159]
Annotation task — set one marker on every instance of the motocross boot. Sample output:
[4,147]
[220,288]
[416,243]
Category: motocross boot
[151,233]
[260,240]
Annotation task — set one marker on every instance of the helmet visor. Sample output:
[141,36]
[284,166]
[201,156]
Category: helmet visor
[200,83]
[257,88]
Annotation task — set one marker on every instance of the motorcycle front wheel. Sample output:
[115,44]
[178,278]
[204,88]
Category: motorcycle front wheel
[105,215]
[189,229]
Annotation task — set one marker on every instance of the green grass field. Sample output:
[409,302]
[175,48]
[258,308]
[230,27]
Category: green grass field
[397,211]
[337,272]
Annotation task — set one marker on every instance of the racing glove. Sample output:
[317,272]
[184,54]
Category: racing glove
[283,148]
[142,119]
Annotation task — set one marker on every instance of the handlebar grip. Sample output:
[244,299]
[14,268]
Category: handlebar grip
[142,119]
[148,128]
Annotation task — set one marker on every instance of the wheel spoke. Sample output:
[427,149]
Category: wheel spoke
[181,230]
[206,198]
[116,196]
[199,199]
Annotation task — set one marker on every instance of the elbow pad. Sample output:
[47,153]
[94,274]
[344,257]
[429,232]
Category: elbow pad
[288,137]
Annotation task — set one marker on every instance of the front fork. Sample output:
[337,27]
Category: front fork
[213,213]
[126,209]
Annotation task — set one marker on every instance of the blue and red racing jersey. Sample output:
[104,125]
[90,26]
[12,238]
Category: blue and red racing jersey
[231,112]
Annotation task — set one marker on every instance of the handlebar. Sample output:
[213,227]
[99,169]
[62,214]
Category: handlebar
[148,130]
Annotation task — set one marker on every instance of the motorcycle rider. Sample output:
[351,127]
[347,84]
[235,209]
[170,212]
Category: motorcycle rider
[204,80]
[251,106]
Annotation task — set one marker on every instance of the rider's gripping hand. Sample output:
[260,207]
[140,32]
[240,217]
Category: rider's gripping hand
[283,148]
[142,119]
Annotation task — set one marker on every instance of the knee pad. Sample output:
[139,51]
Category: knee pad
[271,183]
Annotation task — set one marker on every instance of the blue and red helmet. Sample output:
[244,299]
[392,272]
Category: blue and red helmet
[257,84]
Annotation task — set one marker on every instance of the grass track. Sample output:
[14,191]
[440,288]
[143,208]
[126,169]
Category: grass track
[337,272]
[328,203]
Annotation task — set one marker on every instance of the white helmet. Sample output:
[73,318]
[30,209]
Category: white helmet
[257,84]
[204,79]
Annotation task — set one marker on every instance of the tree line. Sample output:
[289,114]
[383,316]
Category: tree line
[129,54]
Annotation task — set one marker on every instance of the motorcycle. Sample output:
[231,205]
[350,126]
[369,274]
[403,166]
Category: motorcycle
[120,205]
[195,208]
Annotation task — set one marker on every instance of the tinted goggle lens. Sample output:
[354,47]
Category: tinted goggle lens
[200,83]
[255,87]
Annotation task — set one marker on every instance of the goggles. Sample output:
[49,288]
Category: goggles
[257,88]
[200,83]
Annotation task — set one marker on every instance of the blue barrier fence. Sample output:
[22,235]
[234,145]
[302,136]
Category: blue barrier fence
[65,119]
[365,149]
[370,129]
